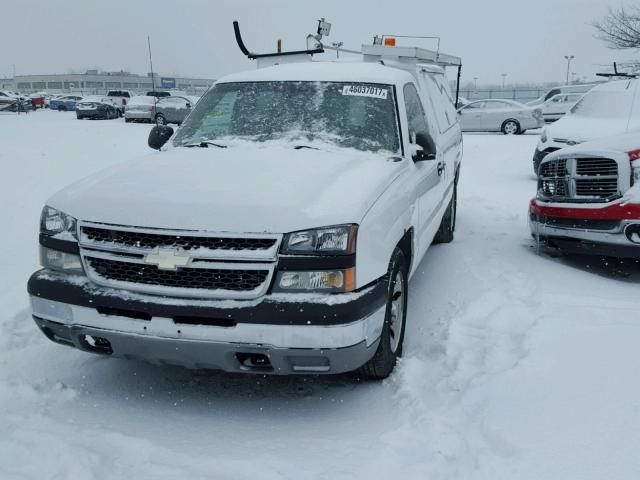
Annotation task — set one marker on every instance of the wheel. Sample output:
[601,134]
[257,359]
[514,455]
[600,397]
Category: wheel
[160,119]
[80,117]
[128,120]
[448,223]
[62,108]
[392,336]
[510,127]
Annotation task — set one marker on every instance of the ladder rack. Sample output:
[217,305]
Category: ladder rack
[409,55]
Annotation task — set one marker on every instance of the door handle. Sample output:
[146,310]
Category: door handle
[441,167]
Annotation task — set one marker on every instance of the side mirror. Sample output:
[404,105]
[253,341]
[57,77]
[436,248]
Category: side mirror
[427,150]
[159,135]
[188,105]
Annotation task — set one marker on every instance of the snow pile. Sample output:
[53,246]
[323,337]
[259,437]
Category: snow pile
[516,366]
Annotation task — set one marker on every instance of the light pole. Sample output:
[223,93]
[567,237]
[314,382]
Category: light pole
[573,77]
[504,77]
[568,58]
[475,81]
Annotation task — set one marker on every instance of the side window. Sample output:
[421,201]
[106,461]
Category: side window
[439,100]
[448,107]
[415,113]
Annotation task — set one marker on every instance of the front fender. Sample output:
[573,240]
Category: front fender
[382,227]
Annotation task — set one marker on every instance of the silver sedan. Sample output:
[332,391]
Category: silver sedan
[504,116]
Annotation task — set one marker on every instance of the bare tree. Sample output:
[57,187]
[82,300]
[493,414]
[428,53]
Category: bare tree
[620,29]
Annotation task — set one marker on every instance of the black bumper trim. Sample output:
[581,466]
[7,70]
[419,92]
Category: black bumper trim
[263,311]
[61,245]
[324,262]
[585,247]
[582,224]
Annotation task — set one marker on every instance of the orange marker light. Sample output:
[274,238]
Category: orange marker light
[350,279]
[389,42]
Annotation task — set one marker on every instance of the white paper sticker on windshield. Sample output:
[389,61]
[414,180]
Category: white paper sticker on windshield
[365,91]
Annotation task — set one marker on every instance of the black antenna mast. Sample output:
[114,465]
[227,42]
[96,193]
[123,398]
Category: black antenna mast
[153,80]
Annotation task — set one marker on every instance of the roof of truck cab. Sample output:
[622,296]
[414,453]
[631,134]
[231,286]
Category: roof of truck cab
[323,72]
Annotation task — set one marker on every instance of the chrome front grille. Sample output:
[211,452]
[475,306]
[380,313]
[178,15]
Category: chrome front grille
[179,263]
[578,180]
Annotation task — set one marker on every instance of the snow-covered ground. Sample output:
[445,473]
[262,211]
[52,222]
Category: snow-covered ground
[517,365]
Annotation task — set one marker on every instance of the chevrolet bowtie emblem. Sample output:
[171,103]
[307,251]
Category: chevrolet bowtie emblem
[167,259]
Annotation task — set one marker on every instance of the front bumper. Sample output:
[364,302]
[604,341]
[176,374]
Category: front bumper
[612,230]
[296,334]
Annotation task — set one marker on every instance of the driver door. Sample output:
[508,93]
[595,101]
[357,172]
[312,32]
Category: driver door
[428,178]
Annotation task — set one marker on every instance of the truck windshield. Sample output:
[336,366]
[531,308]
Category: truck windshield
[606,104]
[355,115]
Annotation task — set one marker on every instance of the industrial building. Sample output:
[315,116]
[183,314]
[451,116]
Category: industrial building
[97,82]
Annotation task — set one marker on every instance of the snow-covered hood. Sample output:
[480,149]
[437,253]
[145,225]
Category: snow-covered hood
[618,144]
[239,189]
[582,129]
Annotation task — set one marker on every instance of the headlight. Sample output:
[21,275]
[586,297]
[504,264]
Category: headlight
[321,281]
[58,224]
[57,260]
[338,240]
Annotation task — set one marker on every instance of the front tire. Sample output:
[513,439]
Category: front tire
[392,336]
[511,127]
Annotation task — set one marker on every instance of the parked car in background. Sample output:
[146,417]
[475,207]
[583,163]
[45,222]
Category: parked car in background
[37,100]
[588,198]
[97,107]
[7,100]
[582,89]
[609,109]
[462,102]
[158,94]
[173,109]
[120,98]
[504,116]
[141,109]
[64,103]
[558,105]
[11,101]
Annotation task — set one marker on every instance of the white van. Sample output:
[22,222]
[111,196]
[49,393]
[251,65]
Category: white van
[582,88]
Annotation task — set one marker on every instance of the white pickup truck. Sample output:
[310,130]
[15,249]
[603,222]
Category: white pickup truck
[275,233]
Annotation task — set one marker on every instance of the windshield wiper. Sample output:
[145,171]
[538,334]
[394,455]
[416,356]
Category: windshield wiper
[205,144]
[299,147]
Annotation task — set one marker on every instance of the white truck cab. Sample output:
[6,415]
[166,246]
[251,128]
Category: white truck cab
[275,233]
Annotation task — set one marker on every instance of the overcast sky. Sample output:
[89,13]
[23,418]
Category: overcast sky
[525,39]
